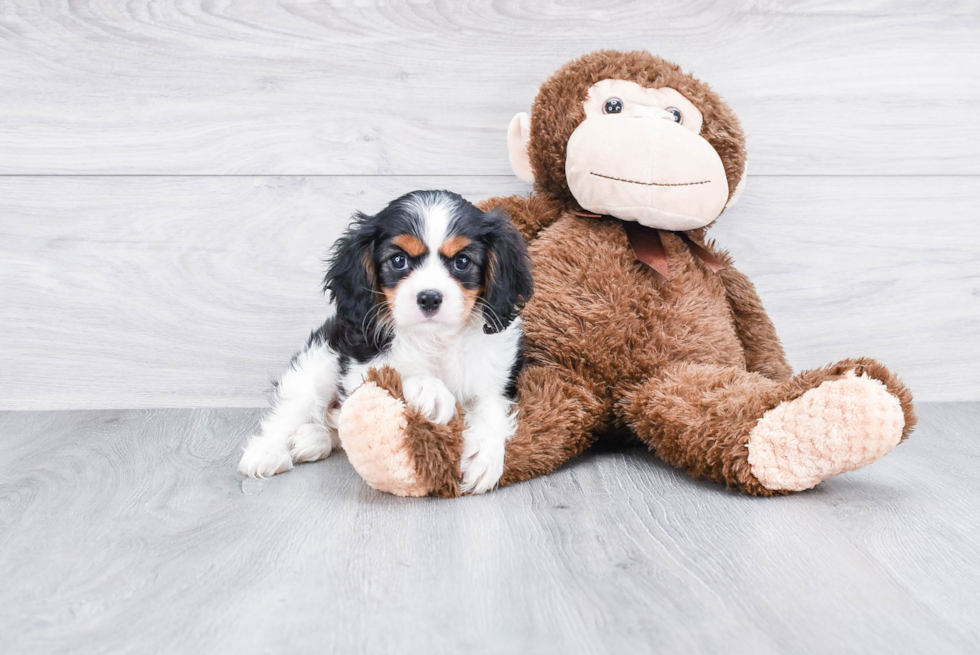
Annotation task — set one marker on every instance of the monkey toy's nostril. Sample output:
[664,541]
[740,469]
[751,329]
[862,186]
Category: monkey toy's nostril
[429,301]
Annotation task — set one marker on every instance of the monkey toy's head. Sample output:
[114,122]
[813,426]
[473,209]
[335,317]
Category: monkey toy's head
[630,135]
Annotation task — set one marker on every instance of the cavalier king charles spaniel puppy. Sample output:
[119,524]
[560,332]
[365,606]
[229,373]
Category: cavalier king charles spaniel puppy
[432,287]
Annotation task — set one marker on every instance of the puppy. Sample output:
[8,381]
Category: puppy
[432,287]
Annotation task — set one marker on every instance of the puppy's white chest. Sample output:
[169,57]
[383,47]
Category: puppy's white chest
[450,366]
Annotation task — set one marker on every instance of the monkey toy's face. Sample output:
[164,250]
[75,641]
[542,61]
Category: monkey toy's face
[638,155]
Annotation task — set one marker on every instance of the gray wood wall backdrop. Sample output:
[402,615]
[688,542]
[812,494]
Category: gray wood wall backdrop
[172,172]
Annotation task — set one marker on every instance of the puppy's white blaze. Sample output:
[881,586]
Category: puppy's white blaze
[435,215]
[437,218]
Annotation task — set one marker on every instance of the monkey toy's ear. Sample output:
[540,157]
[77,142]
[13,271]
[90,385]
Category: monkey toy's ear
[738,189]
[518,136]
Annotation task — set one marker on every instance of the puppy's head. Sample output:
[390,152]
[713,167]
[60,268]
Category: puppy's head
[430,261]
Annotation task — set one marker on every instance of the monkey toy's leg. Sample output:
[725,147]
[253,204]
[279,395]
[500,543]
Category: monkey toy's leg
[767,437]
[397,450]
[558,412]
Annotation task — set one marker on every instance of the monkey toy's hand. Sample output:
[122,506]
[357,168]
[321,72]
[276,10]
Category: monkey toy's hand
[405,439]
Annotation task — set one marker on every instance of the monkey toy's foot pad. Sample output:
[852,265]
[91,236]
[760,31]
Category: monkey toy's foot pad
[839,426]
[393,446]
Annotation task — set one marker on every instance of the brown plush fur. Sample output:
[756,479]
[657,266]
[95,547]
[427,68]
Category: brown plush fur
[530,214]
[688,365]
[763,350]
[435,449]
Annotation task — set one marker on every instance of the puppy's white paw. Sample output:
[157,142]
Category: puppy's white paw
[264,457]
[483,461]
[430,396]
[309,443]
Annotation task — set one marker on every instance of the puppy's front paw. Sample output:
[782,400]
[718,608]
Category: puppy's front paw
[482,463]
[309,443]
[265,457]
[431,397]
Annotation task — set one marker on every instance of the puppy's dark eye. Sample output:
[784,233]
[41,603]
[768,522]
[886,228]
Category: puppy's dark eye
[613,106]
[461,262]
[399,262]
[675,112]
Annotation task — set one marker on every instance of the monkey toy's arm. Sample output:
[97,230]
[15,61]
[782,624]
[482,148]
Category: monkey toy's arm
[530,214]
[763,351]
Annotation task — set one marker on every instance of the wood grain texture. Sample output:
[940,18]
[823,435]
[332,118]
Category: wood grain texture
[131,532]
[297,87]
[189,292]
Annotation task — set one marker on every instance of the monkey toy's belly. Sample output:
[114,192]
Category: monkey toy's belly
[599,311]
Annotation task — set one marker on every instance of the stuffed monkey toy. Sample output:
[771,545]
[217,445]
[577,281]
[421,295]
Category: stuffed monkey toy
[638,324]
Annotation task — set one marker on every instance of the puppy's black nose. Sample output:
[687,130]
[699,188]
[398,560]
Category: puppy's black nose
[429,301]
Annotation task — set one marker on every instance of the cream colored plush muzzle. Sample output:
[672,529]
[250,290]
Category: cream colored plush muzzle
[649,170]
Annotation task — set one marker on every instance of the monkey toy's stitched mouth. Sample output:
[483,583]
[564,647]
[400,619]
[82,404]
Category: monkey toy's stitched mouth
[619,179]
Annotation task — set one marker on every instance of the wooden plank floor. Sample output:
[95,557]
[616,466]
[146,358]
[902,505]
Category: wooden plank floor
[130,531]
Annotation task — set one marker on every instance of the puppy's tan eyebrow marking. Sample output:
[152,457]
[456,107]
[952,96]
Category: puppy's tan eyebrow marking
[412,245]
[453,245]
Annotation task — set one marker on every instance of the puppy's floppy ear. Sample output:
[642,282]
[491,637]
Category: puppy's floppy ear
[351,277]
[507,280]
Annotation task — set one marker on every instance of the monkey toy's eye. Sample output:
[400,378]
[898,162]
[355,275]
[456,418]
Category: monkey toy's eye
[613,106]
[399,262]
[675,112]
[461,263]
